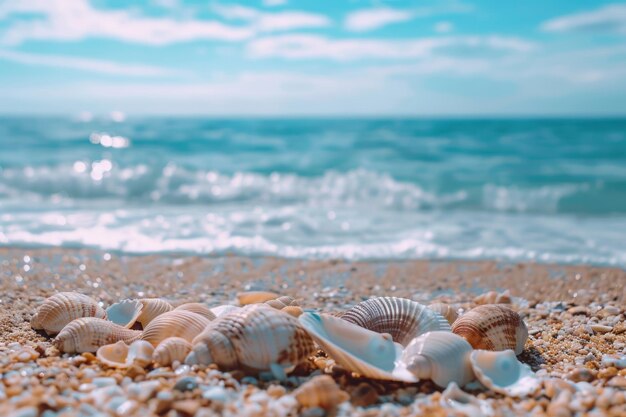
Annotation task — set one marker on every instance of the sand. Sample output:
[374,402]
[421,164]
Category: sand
[575,316]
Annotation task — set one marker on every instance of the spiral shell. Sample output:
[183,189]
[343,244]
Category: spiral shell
[89,333]
[446,310]
[61,308]
[177,323]
[170,350]
[282,302]
[492,327]
[222,310]
[120,355]
[442,357]
[403,319]
[197,308]
[257,337]
[152,308]
[501,372]
[321,391]
[253,297]
[124,313]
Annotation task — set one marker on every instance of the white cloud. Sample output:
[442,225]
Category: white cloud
[444,27]
[83,64]
[369,19]
[610,18]
[274,3]
[272,22]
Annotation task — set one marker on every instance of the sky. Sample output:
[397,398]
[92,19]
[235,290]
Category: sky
[313,57]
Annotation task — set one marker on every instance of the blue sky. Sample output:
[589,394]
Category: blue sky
[313,57]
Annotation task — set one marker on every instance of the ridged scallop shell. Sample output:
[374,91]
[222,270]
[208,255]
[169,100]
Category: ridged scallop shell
[403,319]
[253,297]
[503,373]
[222,310]
[197,308]
[152,308]
[61,308]
[124,313]
[177,323]
[442,357]
[446,310]
[293,311]
[357,349]
[282,302]
[171,350]
[321,391]
[257,337]
[492,327]
[89,333]
[469,405]
[120,355]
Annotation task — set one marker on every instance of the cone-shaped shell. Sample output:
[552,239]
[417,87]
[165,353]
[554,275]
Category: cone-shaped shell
[152,308]
[403,319]
[357,349]
[503,373]
[171,350]
[321,391]
[61,308]
[253,297]
[197,308]
[282,302]
[257,337]
[120,355]
[178,323]
[442,357]
[222,310]
[446,310]
[124,313]
[492,327]
[89,333]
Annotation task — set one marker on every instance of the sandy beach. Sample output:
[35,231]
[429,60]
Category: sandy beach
[575,317]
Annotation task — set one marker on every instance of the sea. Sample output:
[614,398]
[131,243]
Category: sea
[544,190]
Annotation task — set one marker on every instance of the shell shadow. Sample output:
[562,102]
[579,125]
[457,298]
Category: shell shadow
[532,357]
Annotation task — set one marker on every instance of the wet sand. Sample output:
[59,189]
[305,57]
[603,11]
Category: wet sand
[575,316]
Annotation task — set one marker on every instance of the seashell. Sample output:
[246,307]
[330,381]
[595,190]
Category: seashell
[492,297]
[61,308]
[120,355]
[403,319]
[140,353]
[89,333]
[440,356]
[501,372]
[253,297]
[177,323]
[294,311]
[492,327]
[357,349]
[446,310]
[197,308]
[459,400]
[321,391]
[124,313]
[152,307]
[222,310]
[171,350]
[257,337]
[282,302]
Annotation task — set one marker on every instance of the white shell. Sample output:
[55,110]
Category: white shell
[177,323]
[171,350]
[124,313]
[197,308]
[457,399]
[403,319]
[222,310]
[120,355]
[60,309]
[140,353]
[446,310]
[87,334]
[152,308]
[501,372]
[442,357]
[357,349]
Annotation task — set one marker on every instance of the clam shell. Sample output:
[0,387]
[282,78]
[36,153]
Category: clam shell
[222,310]
[61,308]
[357,349]
[446,310]
[440,356]
[171,350]
[293,311]
[177,323]
[253,297]
[124,313]
[469,405]
[140,353]
[152,308]
[321,391]
[89,333]
[492,327]
[503,373]
[197,308]
[282,302]
[403,319]
[257,337]
[120,355]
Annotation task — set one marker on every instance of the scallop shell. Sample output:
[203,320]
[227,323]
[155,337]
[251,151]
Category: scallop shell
[89,333]
[357,349]
[442,357]
[170,350]
[469,405]
[503,373]
[124,313]
[177,323]
[492,327]
[253,297]
[222,310]
[403,319]
[120,355]
[257,337]
[446,310]
[152,308]
[197,308]
[321,391]
[61,308]
[282,302]
[293,311]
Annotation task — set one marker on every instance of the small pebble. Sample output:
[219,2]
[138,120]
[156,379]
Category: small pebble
[187,383]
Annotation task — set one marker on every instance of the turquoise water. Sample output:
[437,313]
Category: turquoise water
[545,190]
